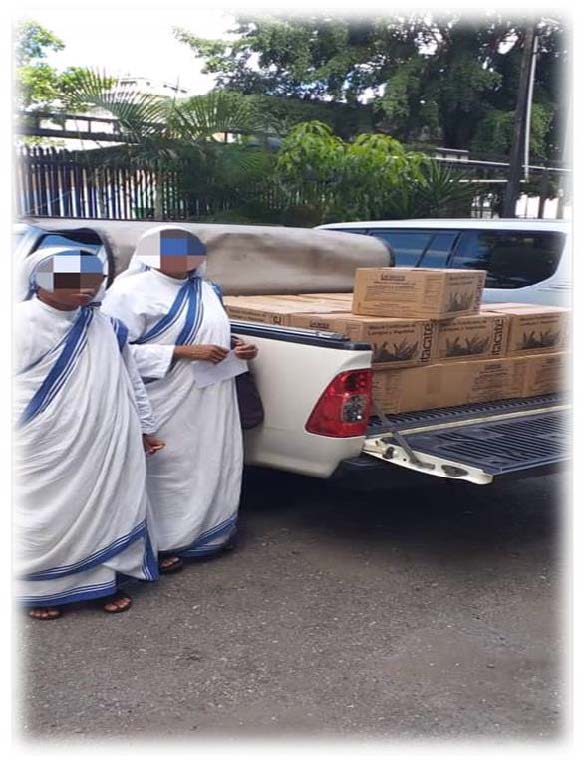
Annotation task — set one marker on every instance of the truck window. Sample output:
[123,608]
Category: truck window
[512,259]
[419,248]
[408,246]
[364,232]
[437,253]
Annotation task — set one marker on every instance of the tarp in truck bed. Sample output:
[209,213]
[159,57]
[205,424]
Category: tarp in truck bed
[251,259]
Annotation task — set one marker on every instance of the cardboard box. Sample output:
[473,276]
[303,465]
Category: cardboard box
[541,374]
[259,313]
[473,337]
[396,342]
[546,374]
[446,384]
[274,310]
[417,292]
[336,296]
[336,303]
[443,385]
[536,329]
[305,297]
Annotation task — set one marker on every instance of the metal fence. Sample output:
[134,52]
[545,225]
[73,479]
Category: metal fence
[53,182]
[56,183]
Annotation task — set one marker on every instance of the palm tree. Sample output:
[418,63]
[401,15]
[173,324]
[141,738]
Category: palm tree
[187,136]
[437,191]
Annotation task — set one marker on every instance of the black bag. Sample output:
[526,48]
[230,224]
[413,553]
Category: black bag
[249,403]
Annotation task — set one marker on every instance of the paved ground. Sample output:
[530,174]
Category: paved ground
[430,612]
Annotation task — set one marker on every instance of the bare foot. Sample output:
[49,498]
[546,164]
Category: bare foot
[45,613]
[119,602]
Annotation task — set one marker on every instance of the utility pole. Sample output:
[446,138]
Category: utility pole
[565,179]
[521,112]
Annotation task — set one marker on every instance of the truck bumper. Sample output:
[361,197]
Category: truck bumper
[365,473]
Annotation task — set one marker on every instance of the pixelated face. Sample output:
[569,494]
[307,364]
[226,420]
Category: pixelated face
[174,252]
[70,279]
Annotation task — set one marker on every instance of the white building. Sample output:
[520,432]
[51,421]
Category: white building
[128,83]
[150,86]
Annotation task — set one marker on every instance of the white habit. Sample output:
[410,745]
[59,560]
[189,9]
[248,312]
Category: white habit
[194,482]
[81,506]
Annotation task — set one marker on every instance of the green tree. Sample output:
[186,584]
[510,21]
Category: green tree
[371,177]
[423,76]
[33,42]
[493,136]
[39,85]
[37,82]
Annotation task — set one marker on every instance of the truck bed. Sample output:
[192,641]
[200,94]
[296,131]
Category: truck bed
[476,442]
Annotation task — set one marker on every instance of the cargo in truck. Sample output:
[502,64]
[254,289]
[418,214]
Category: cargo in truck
[417,292]
[442,385]
[395,342]
[535,329]
[472,337]
[276,310]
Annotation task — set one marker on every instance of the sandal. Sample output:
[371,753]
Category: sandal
[45,613]
[115,600]
[174,564]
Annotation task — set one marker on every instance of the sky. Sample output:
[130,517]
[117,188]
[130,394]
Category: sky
[141,43]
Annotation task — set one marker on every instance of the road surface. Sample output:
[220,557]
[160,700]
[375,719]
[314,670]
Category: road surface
[426,612]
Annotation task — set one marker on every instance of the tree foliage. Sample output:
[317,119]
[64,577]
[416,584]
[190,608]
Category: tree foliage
[371,177]
[33,42]
[443,78]
[39,85]
[314,177]
[37,82]
[183,135]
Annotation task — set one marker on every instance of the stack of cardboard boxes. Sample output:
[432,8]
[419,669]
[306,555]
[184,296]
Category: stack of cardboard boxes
[281,309]
[434,344]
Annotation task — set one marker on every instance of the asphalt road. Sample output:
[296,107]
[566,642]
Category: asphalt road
[423,613]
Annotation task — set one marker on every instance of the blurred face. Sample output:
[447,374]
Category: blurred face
[69,283]
[178,265]
[173,251]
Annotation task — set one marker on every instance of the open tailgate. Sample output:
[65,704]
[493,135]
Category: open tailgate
[476,442]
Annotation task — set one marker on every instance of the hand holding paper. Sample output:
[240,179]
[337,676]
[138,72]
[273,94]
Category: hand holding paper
[211,373]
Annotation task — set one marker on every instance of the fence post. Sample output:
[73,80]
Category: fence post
[561,196]
[157,195]
[543,184]
[55,208]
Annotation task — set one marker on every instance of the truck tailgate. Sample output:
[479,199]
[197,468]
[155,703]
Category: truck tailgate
[477,442]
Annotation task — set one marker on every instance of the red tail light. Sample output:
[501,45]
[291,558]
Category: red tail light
[344,408]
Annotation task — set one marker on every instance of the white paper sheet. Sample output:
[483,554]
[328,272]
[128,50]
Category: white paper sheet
[207,373]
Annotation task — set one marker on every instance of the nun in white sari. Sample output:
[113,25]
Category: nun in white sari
[82,418]
[177,326]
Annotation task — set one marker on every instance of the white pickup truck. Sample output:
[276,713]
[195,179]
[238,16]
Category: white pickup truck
[311,382]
